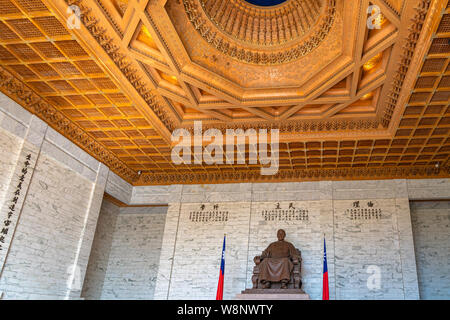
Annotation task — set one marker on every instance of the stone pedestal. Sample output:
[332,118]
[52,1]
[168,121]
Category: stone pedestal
[273,294]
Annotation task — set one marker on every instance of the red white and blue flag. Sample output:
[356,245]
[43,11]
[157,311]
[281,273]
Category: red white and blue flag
[325,290]
[219,295]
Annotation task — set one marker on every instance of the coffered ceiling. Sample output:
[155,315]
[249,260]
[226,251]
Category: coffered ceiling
[351,102]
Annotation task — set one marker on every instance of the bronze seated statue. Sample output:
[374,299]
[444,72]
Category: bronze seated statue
[279,266]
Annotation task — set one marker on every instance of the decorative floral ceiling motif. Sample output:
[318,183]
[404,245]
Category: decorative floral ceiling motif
[262,26]
[264,36]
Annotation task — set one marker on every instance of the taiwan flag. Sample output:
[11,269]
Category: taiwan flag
[219,295]
[325,290]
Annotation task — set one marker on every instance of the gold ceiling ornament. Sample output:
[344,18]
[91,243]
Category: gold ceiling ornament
[300,126]
[373,62]
[310,149]
[367,96]
[407,55]
[263,26]
[121,5]
[297,175]
[27,98]
[264,36]
[395,5]
[121,60]
[145,36]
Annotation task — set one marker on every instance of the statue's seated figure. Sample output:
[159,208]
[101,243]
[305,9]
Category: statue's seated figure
[279,264]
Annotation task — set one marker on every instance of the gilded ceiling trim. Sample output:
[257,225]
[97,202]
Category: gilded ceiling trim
[276,100]
[122,62]
[31,101]
[111,20]
[299,126]
[292,126]
[162,62]
[106,42]
[298,175]
[408,52]
[163,41]
[260,56]
[358,127]
[387,3]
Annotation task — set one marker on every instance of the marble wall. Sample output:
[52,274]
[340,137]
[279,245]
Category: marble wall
[363,244]
[367,225]
[373,240]
[431,228]
[125,254]
[198,251]
[48,232]
[10,146]
[100,251]
[118,188]
[50,195]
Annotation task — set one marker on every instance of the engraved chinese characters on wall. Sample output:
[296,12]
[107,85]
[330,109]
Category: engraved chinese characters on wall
[364,210]
[285,213]
[209,213]
[5,228]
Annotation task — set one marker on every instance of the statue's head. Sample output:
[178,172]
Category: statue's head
[281,234]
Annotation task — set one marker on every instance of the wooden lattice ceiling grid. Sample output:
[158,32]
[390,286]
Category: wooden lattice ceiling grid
[117,125]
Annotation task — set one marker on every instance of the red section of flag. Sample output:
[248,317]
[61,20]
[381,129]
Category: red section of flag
[325,292]
[325,289]
[219,295]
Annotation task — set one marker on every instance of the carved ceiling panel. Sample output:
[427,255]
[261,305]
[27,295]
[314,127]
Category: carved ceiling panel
[350,101]
[300,64]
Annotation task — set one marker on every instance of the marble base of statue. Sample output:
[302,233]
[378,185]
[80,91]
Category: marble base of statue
[273,294]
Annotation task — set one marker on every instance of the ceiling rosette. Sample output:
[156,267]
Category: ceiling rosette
[262,35]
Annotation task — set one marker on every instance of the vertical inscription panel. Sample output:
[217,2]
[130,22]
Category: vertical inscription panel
[47,236]
[302,222]
[367,250]
[198,250]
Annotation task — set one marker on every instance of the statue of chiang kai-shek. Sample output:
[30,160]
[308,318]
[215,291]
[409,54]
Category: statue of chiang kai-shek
[277,262]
